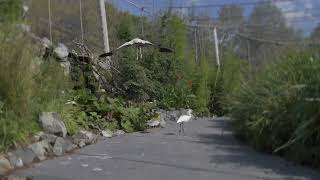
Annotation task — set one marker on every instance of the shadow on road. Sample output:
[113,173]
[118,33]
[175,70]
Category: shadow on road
[225,150]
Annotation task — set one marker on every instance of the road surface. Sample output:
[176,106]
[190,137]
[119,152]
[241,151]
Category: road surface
[202,154]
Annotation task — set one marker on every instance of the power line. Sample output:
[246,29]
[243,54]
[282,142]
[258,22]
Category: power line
[246,36]
[257,26]
[236,33]
[142,8]
[312,17]
[224,4]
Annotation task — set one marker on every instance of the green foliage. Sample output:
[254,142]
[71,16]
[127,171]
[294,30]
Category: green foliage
[280,110]
[227,82]
[125,28]
[28,85]
[10,10]
[203,91]
[103,112]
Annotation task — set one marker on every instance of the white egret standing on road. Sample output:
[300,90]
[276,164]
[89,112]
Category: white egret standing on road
[139,44]
[183,119]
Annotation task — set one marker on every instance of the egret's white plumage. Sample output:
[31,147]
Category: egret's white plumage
[135,42]
[139,44]
[183,119]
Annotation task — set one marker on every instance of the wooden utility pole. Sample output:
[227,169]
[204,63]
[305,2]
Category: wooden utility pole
[249,57]
[104,26]
[50,21]
[216,42]
[196,45]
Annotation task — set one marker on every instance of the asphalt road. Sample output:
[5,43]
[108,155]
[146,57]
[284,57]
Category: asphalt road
[202,154]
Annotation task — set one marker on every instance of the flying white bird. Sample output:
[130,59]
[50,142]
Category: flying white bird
[139,44]
[182,119]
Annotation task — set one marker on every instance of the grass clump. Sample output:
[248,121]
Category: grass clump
[28,85]
[279,111]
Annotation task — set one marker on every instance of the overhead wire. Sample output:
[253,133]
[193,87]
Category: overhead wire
[243,35]
[224,4]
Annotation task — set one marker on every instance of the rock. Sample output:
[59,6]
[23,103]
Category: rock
[153,123]
[27,156]
[50,138]
[46,43]
[174,115]
[62,146]
[5,166]
[107,133]
[70,147]
[119,132]
[61,52]
[52,124]
[58,148]
[85,136]
[37,137]
[163,123]
[15,161]
[41,149]
[81,143]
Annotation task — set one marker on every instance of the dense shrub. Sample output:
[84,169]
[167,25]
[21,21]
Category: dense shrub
[227,82]
[279,111]
[98,113]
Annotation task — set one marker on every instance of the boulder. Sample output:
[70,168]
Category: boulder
[71,147]
[50,138]
[27,156]
[52,124]
[84,136]
[46,43]
[153,123]
[119,132]
[107,133]
[62,146]
[163,123]
[37,137]
[172,115]
[81,143]
[41,149]
[5,166]
[15,161]
[61,52]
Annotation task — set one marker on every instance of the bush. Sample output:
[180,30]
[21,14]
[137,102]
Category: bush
[279,111]
[97,113]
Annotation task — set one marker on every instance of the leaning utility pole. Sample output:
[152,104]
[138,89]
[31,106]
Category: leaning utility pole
[216,42]
[104,26]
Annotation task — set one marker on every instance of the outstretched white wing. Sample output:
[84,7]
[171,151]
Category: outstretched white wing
[127,44]
[135,42]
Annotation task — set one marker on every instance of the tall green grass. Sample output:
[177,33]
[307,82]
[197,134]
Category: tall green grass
[28,85]
[279,111]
